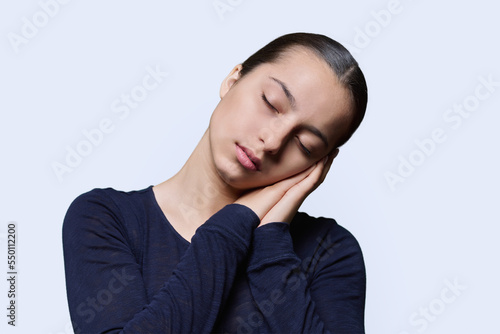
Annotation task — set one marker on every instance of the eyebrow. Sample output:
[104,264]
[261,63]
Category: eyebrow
[318,133]
[291,100]
[285,89]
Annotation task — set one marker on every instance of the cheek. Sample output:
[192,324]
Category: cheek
[289,166]
[243,107]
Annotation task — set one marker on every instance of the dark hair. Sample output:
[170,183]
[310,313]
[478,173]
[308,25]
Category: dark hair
[334,54]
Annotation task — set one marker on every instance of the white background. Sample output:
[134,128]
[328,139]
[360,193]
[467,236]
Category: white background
[439,225]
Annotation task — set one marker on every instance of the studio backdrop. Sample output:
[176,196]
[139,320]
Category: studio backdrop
[117,94]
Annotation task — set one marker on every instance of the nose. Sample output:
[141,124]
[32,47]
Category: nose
[274,137]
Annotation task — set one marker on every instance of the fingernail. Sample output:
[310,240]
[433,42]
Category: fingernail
[325,159]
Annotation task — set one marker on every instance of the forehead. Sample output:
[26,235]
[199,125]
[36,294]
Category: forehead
[320,98]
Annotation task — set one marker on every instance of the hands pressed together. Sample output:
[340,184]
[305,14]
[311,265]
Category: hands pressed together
[280,201]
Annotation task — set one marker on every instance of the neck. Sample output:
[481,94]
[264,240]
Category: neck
[195,193]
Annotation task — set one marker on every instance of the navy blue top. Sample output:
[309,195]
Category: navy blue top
[129,271]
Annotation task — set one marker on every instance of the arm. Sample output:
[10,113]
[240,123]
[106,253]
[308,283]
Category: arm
[323,293]
[334,300]
[106,293]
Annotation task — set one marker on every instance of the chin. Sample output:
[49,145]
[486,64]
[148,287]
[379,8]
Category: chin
[239,182]
[236,177]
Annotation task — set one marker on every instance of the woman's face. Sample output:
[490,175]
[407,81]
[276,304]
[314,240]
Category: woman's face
[277,120]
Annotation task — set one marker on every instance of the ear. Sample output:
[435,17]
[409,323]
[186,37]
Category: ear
[229,81]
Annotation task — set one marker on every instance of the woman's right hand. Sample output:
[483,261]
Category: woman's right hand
[280,201]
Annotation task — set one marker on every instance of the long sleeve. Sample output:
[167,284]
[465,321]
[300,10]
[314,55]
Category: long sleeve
[321,293]
[104,281]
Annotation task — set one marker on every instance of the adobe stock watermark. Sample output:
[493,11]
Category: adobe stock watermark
[365,34]
[121,108]
[31,26]
[223,7]
[204,197]
[453,118]
[95,304]
[427,314]
[291,281]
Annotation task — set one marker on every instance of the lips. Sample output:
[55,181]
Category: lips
[247,159]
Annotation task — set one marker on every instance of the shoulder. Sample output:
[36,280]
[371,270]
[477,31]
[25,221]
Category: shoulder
[107,197]
[333,264]
[116,203]
[306,229]
[105,212]
[326,241]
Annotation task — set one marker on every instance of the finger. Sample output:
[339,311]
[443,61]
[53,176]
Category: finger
[263,199]
[335,153]
[328,163]
[288,205]
[291,181]
[318,175]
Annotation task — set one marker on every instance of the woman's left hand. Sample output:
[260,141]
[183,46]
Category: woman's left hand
[280,201]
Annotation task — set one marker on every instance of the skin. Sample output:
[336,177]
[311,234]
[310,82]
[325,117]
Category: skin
[294,160]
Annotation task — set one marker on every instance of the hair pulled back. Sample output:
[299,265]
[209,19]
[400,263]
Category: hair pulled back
[334,54]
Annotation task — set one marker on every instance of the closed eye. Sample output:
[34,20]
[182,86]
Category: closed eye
[303,148]
[264,98]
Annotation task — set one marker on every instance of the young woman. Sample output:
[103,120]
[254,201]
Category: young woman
[219,247]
